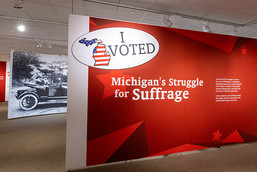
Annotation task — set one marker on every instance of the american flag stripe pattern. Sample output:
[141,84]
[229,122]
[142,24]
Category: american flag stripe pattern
[101,56]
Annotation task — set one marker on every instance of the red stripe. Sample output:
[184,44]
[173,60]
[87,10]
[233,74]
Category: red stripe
[98,51]
[101,64]
[102,60]
[95,55]
[100,47]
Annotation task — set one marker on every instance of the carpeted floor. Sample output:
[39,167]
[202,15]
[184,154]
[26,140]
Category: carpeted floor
[237,158]
[37,144]
[33,144]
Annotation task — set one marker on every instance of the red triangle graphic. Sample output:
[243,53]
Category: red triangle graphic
[182,148]
[222,42]
[233,137]
[101,149]
[247,137]
[92,22]
[102,22]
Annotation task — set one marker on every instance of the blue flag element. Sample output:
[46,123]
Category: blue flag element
[87,42]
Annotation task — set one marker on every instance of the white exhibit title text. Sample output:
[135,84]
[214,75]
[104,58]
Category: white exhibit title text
[156,92]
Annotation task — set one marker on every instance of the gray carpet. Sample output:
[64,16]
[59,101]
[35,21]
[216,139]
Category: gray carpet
[33,144]
[237,158]
[37,144]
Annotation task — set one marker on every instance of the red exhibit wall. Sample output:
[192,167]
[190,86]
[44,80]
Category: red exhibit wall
[221,110]
[2,80]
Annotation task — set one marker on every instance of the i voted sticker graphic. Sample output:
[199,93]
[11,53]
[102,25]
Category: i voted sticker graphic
[115,48]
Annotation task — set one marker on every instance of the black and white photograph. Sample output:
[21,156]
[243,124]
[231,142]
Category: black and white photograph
[38,84]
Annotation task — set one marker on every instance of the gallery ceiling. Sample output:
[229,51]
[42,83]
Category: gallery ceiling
[47,20]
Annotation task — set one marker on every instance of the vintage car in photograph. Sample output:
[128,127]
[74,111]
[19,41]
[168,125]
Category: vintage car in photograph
[34,93]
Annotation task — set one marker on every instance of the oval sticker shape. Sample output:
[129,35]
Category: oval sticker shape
[115,48]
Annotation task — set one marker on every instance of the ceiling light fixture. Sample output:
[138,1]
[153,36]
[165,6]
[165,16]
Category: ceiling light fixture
[39,45]
[17,4]
[206,27]
[21,27]
[167,20]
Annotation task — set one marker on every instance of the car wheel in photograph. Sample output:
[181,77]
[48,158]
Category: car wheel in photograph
[28,102]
